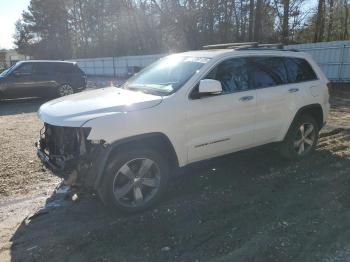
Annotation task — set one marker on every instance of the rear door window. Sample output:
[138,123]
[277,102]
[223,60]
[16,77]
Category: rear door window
[268,71]
[43,68]
[64,68]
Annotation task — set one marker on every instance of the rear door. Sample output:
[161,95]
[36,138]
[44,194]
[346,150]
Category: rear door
[280,83]
[45,73]
[224,123]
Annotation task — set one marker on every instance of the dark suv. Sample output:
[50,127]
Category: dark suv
[41,79]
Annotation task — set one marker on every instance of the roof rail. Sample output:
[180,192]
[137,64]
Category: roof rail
[266,46]
[244,46]
[231,45]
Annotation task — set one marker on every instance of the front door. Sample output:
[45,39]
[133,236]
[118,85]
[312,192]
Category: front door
[21,81]
[224,123]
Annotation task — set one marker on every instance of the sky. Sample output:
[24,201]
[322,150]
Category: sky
[10,12]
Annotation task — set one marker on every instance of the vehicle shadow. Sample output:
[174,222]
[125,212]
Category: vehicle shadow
[21,105]
[340,96]
[249,206]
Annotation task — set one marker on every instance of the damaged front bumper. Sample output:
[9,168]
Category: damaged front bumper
[45,159]
[67,153]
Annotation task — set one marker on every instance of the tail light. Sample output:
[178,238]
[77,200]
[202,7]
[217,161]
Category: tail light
[329,85]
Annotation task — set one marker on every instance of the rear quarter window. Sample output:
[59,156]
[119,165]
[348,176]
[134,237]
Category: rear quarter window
[77,69]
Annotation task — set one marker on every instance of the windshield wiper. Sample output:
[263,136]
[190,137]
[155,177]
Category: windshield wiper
[136,89]
[147,90]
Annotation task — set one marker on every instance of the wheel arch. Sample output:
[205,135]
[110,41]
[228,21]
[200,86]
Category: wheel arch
[315,110]
[66,81]
[59,84]
[156,140]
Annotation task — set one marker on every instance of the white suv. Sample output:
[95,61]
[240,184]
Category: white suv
[126,142]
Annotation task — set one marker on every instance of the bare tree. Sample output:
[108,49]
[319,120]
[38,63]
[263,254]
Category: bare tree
[95,28]
[320,19]
[251,20]
[257,21]
[346,7]
[330,20]
[285,23]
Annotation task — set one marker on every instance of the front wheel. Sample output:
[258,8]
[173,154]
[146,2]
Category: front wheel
[65,90]
[301,139]
[135,180]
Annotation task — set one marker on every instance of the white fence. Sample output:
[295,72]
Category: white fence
[332,57]
[116,66]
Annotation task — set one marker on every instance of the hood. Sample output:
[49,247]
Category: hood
[75,110]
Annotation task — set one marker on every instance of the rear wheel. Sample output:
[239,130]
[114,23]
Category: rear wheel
[65,90]
[135,180]
[301,139]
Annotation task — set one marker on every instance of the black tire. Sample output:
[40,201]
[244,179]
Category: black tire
[64,89]
[112,176]
[292,144]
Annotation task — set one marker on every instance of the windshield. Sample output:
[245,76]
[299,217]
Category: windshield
[6,71]
[167,75]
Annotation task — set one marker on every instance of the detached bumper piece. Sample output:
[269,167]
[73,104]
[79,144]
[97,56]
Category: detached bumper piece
[45,159]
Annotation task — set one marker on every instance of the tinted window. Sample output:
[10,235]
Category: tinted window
[268,71]
[44,68]
[77,70]
[299,70]
[233,75]
[5,72]
[26,68]
[64,68]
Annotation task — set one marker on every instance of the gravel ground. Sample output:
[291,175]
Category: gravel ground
[20,171]
[249,206]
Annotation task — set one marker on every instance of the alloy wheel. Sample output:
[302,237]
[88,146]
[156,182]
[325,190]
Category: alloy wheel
[65,90]
[136,182]
[305,138]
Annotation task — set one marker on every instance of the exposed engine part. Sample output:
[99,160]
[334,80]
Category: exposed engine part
[68,152]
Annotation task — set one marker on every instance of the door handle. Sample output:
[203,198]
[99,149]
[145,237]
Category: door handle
[293,90]
[246,98]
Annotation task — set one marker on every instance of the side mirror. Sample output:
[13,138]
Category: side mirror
[210,86]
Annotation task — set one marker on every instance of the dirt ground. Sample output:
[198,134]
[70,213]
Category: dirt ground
[249,206]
